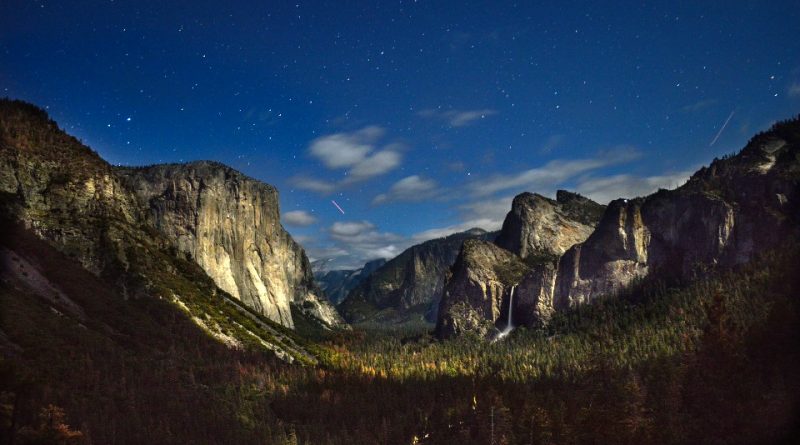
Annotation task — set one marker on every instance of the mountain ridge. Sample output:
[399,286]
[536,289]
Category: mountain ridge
[725,214]
[68,195]
[409,284]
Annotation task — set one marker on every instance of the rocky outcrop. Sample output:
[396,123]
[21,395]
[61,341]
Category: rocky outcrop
[63,191]
[478,288]
[336,284]
[67,195]
[409,284]
[230,225]
[535,233]
[723,216]
[537,225]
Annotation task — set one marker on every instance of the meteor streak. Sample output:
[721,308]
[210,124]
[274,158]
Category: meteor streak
[721,129]
[337,206]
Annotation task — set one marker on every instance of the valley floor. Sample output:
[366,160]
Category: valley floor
[711,362]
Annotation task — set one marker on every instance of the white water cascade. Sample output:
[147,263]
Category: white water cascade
[509,327]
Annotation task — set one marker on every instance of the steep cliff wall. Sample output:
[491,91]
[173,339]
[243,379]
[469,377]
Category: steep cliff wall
[230,225]
[535,233]
[724,215]
[537,225]
[478,290]
[64,191]
[410,283]
[55,189]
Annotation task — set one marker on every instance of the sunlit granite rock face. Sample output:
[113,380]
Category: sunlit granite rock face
[535,232]
[230,225]
[55,188]
[723,216]
[478,288]
[537,225]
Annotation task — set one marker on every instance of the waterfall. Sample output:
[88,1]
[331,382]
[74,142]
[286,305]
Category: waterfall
[509,327]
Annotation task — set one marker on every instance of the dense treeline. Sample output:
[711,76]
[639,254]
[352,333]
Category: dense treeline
[711,362]
[714,362]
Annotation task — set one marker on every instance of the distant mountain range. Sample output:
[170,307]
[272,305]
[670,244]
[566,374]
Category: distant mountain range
[409,286]
[338,283]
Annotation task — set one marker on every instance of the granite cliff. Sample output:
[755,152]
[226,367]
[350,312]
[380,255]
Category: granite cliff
[535,232]
[60,190]
[537,225]
[230,225]
[410,284]
[725,215]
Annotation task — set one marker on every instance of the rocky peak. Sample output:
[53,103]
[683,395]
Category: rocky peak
[411,283]
[726,214]
[537,225]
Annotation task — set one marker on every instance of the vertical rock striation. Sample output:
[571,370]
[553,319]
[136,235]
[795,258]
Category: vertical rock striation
[724,215]
[106,218]
[230,225]
[477,288]
[535,233]
[537,225]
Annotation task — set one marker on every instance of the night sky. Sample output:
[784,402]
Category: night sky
[417,118]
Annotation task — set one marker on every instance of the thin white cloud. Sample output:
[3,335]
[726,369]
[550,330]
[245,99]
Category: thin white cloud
[551,174]
[357,151]
[363,242]
[375,164]
[299,218]
[606,189]
[410,188]
[458,118]
[346,229]
[314,185]
[439,232]
[486,214]
[489,214]
[345,149]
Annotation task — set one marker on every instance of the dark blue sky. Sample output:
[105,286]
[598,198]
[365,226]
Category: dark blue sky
[417,118]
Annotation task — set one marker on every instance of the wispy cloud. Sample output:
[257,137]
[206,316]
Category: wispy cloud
[363,241]
[486,214]
[359,152]
[485,203]
[374,165]
[551,174]
[489,213]
[314,185]
[345,149]
[606,189]
[457,118]
[410,188]
[299,218]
